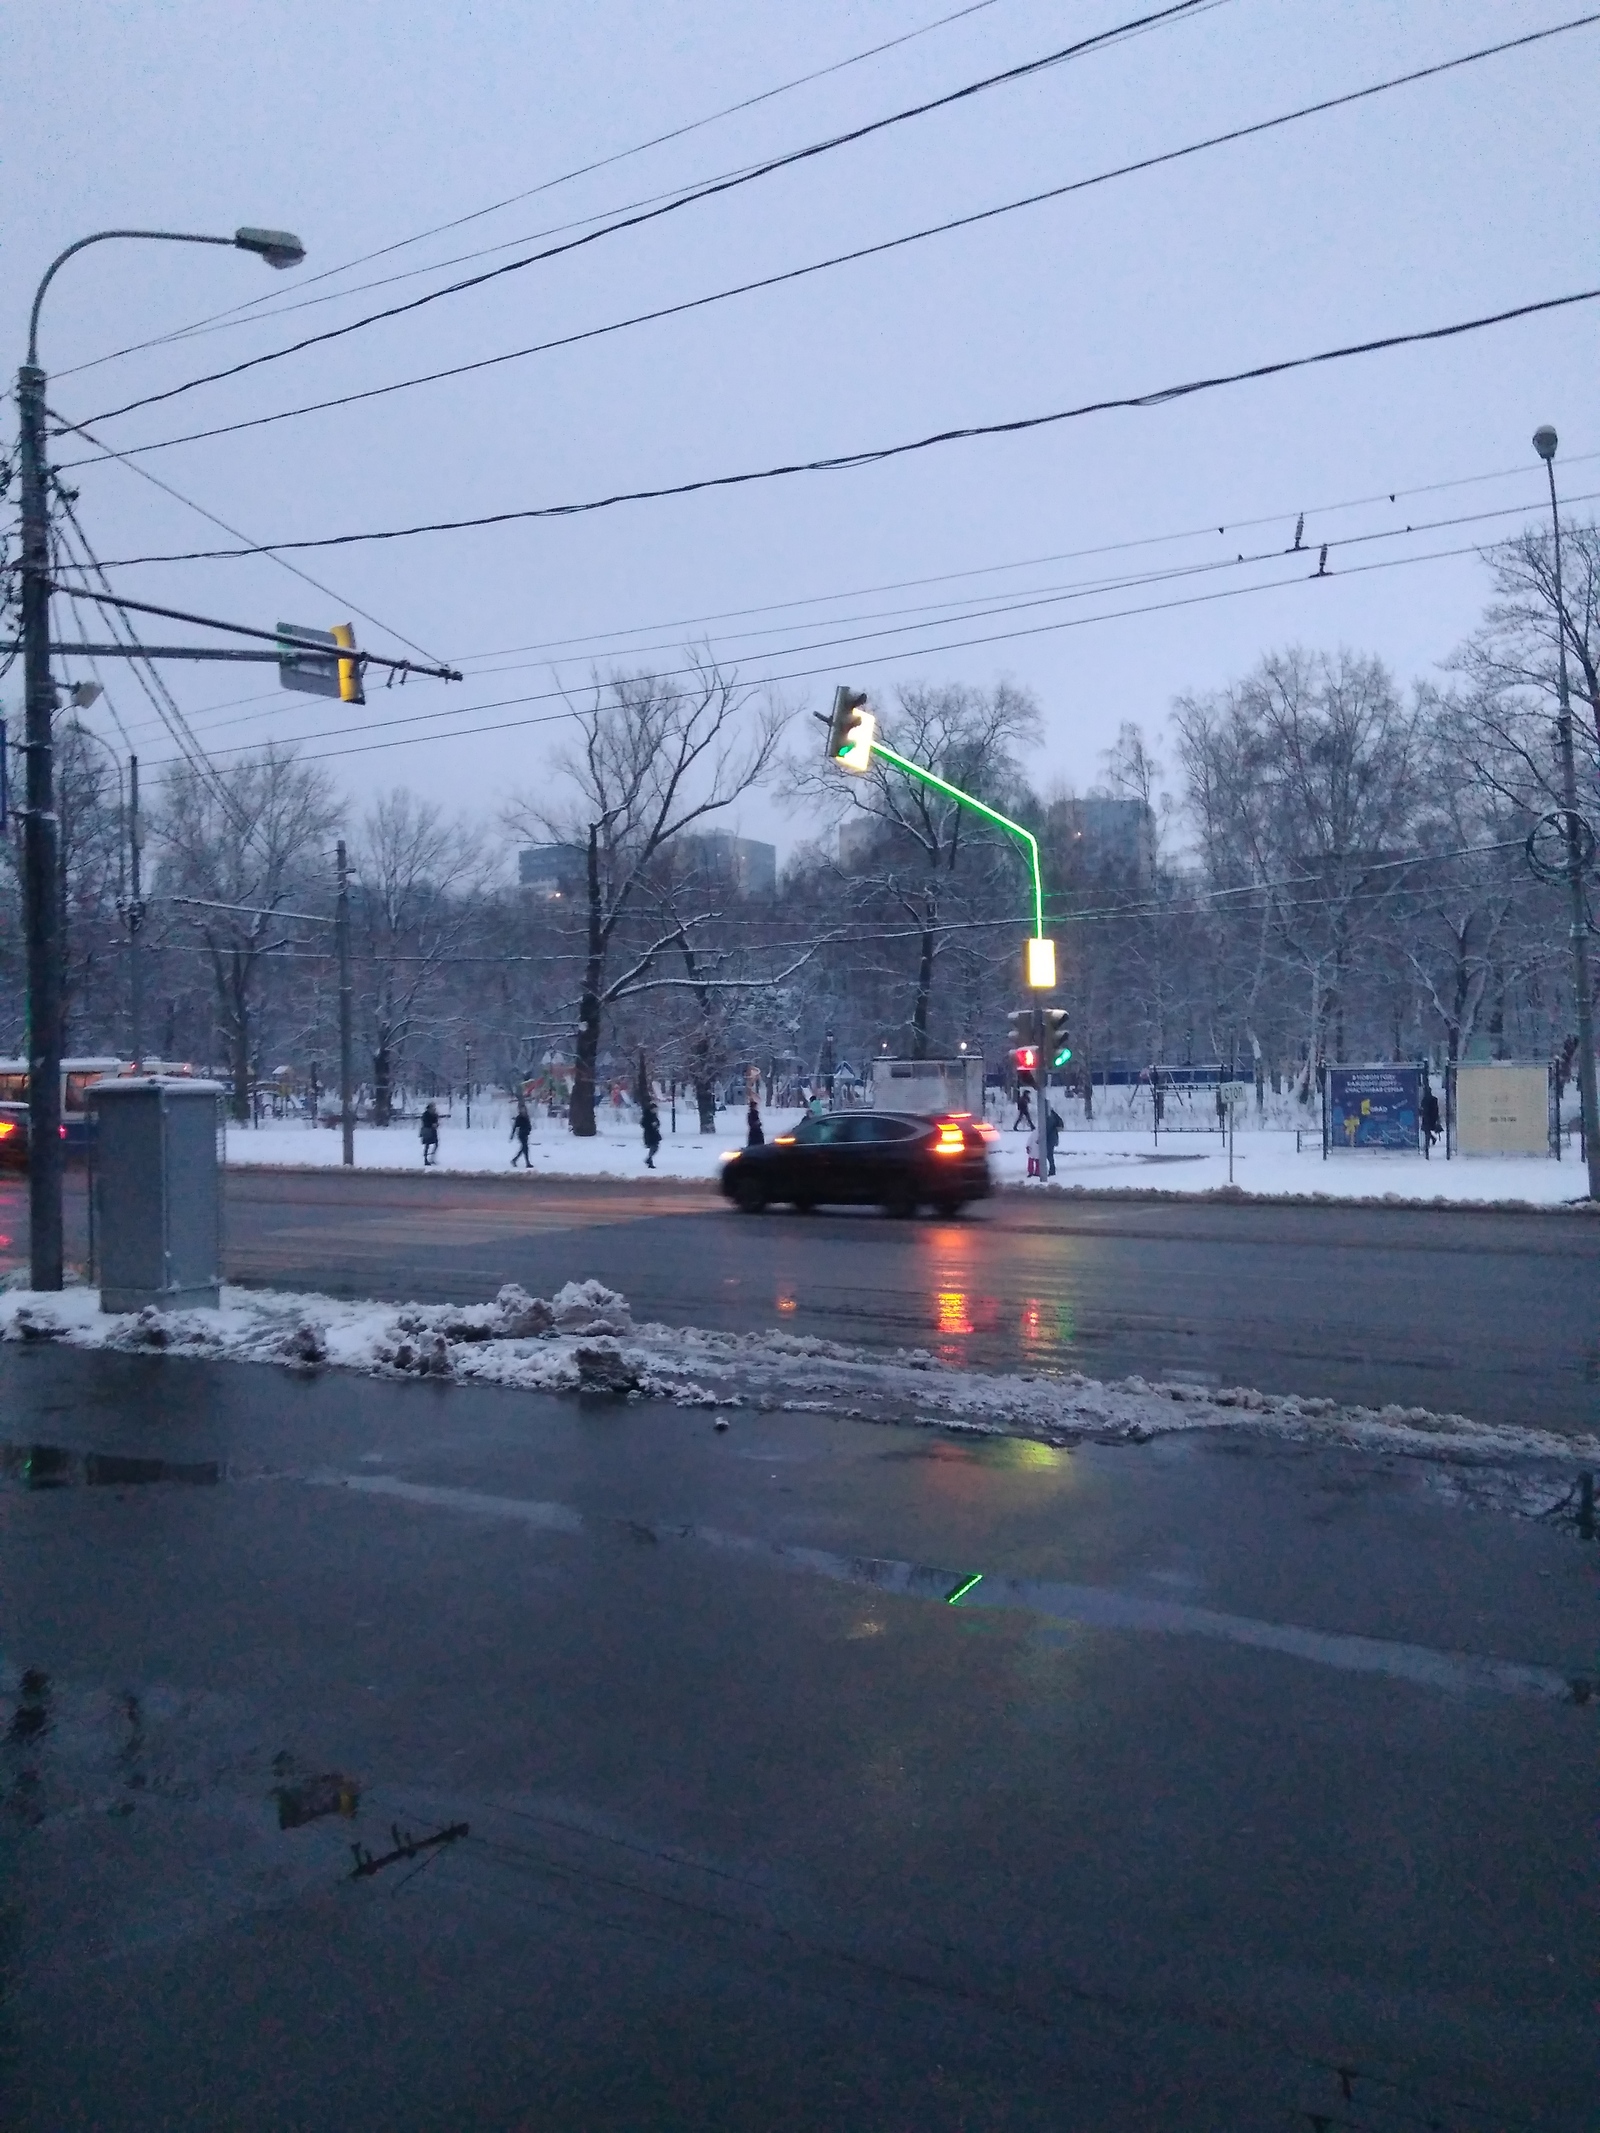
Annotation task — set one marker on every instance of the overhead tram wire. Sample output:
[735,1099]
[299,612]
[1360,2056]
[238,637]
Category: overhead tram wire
[940,615]
[714,189]
[608,638]
[877,455]
[870,251]
[898,656]
[270,306]
[611,649]
[294,569]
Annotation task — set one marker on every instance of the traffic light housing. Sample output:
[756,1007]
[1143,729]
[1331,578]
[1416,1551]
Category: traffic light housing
[1025,1059]
[1057,1047]
[851,731]
[350,689]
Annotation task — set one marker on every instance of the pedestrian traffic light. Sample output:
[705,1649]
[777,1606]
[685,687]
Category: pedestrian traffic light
[1055,1036]
[1024,1058]
[1022,1029]
[851,731]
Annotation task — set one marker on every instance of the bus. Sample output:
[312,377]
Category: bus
[78,1077]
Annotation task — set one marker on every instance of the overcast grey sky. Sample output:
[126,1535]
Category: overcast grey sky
[360,125]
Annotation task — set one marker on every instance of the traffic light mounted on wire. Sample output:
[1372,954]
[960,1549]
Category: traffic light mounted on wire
[851,731]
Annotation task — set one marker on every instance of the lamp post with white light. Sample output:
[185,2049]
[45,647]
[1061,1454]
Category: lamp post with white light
[40,827]
[1578,844]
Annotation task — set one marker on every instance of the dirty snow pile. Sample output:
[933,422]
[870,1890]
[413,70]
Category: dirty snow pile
[583,1339]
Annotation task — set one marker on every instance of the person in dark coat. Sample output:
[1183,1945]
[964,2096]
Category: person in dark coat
[430,1133]
[753,1135]
[521,1128]
[1024,1115]
[1052,1133]
[650,1126]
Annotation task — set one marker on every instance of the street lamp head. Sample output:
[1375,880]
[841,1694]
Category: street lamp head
[279,248]
[1544,442]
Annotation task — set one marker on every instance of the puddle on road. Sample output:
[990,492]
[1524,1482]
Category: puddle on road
[49,1466]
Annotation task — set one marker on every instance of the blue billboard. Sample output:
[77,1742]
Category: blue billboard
[1374,1107]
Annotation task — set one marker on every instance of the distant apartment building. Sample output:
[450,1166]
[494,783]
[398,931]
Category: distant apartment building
[743,864]
[1099,839]
[552,871]
[556,872]
[859,837]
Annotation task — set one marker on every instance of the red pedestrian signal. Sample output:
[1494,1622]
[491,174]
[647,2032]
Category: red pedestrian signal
[1025,1058]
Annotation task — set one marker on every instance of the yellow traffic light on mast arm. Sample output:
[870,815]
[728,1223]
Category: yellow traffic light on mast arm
[851,731]
[350,689]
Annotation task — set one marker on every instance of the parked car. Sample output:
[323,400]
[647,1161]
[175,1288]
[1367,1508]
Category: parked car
[887,1159]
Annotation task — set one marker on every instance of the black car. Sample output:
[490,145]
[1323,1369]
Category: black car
[886,1159]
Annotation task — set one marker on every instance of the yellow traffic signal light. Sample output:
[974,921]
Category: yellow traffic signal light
[851,731]
[1041,964]
[350,689]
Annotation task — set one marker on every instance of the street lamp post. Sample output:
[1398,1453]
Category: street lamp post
[40,828]
[1544,443]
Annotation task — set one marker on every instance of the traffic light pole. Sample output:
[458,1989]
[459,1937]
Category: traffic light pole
[1028,840]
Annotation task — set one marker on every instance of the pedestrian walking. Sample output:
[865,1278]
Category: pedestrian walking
[430,1133]
[753,1135]
[650,1126]
[521,1128]
[1024,1115]
[1052,1133]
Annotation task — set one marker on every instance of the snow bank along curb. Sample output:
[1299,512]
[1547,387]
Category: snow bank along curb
[583,1339]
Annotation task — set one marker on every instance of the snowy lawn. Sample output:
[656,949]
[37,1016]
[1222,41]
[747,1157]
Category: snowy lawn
[1264,1163]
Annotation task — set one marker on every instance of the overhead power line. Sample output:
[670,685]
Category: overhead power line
[875,455]
[272,306]
[189,504]
[713,190]
[604,645]
[868,251]
[455,733]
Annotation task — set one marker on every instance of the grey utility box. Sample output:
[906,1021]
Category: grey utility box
[158,1193]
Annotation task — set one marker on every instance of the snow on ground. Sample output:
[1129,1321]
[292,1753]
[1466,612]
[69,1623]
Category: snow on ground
[583,1340]
[1128,1158]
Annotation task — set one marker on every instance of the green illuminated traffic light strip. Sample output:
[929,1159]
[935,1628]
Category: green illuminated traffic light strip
[979,807]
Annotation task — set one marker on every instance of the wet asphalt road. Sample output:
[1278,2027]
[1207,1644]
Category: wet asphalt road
[762,1831]
[1496,1315]
[1491,1314]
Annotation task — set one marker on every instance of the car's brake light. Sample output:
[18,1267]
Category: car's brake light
[951,1139]
[8,1126]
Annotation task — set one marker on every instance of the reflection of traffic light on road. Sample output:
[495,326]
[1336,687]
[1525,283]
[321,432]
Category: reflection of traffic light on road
[851,731]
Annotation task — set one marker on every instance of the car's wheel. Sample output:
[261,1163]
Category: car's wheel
[900,1201]
[804,1204]
[948,1210]
[749,1194]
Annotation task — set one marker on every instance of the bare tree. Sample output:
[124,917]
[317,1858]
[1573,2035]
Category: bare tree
[1303,783]
[656,756]
[420,882]
[233,848]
